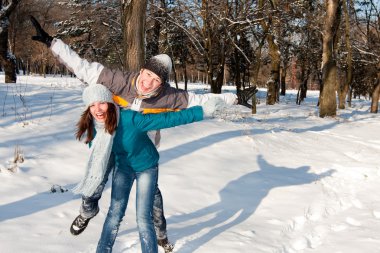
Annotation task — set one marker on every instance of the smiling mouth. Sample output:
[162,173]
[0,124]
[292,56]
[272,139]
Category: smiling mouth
[146,87]
[100,115]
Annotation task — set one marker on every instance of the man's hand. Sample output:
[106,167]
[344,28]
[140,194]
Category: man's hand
[41,36]
[245,95]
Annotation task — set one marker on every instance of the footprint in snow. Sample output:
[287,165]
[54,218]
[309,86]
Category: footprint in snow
[316,237]
[298,244]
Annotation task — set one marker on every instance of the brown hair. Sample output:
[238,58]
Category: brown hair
[86,123]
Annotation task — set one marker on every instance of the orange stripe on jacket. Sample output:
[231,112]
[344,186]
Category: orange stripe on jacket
[158,110]
[124,103]
[120,101]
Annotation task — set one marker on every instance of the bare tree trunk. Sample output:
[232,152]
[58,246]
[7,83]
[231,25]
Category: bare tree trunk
[133,20]
[152,47]
[254,103]
[216,83]
[375,98]
[349,99]
[271,92]
[207,39]
[175,75]
[238,83]
[185,73]
[214,76]
[274,52]
[282,80]
[257,63]
[343,91]
[302,90]
[273,83]
[6,57]
[44,69]
[327,106]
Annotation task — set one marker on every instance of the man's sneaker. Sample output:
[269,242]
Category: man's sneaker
[164,243]
[79,225]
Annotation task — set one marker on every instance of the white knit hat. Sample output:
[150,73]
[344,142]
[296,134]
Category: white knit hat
[161,65]
[96,92]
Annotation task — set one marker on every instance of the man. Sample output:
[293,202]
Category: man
[147,91]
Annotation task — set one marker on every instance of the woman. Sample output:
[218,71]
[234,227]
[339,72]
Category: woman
[125,135]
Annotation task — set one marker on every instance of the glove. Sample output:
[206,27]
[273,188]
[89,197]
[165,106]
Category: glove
[212,106]
[41,36]
[245,95]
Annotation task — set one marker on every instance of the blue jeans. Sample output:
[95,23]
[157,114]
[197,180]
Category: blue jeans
[90,205]
[122,182]
[159,216]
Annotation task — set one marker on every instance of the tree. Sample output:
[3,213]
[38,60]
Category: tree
[102,28]
[93,29]
[375,97]
[179,45]
[236,42]
[153,27]
[327,106]
[133,25]
[274,53]
[214,45]
[244,35]
[366,52]
[6,56]
[307,48]
[207,29]
[345,86]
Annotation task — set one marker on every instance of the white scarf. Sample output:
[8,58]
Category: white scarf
[100,151]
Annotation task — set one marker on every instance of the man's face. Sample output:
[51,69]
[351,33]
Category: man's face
[148,81]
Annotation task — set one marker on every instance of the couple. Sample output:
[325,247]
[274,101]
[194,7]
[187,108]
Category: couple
[146,91]
[124,134]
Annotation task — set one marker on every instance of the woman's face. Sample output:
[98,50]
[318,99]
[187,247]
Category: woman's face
[98,111]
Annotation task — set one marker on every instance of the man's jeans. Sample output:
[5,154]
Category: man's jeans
[122,183]
[90,205]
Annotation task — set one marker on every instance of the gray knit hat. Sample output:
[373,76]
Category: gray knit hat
[96,92]
[161,65]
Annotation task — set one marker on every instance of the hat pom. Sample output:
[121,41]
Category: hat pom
[161,65]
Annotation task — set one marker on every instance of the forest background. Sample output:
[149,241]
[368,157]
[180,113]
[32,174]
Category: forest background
[330,45]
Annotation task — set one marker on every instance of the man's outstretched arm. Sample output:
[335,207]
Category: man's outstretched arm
[84,70]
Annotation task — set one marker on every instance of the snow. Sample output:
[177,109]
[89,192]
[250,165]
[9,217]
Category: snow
[281,181]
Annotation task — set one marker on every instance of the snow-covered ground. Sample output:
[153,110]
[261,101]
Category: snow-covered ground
[281,181]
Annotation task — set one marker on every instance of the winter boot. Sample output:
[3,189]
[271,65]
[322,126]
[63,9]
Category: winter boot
[79,225]
[166,245]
